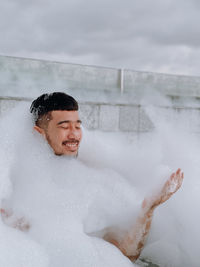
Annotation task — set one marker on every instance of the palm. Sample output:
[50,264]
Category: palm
[170,187]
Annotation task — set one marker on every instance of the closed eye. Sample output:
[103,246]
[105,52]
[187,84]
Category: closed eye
[63,127]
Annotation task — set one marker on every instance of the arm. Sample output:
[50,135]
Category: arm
[133,241]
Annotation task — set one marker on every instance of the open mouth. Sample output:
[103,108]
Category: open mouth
[71,144]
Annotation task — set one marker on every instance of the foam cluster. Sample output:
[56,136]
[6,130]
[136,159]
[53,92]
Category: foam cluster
[69,203]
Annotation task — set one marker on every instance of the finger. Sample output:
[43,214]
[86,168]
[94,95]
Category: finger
[180,181]
[181,176]
[171,177]
[178,171]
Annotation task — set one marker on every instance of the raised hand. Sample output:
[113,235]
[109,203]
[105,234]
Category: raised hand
[132,243]
[169,188]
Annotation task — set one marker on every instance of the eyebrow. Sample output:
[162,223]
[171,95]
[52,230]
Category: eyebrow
[68,121]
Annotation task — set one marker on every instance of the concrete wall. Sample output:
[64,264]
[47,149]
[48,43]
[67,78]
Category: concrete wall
[95,115]
[110,99]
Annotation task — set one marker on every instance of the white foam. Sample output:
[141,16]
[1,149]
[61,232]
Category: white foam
[69,202]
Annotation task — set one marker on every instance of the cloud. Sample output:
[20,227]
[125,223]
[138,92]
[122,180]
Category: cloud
[142,35]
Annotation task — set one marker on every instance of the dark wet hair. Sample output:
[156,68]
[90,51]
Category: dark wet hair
[50,102]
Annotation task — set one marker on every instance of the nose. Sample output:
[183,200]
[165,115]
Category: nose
[73,133]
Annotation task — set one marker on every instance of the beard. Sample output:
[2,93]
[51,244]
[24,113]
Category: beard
[61,153]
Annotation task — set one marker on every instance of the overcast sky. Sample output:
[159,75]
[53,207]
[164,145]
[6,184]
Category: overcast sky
[149,35]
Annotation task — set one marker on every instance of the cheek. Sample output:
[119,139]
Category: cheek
[61,135]
[80,135]
[57,136]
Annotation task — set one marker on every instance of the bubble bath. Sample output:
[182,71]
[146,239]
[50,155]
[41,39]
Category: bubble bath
[68,203]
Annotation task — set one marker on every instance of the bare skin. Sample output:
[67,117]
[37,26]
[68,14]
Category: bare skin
[133,241]
[63,132]
[16,222]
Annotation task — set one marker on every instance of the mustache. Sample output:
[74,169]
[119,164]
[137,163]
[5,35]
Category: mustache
[70,141]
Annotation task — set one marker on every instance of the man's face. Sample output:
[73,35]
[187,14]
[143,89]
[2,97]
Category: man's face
[64,132]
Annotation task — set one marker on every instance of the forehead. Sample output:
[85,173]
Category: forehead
[62,115]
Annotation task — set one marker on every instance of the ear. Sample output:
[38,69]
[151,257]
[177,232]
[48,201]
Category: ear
[40,131]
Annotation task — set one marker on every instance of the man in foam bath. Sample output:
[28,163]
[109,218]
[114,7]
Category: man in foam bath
[57,120]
